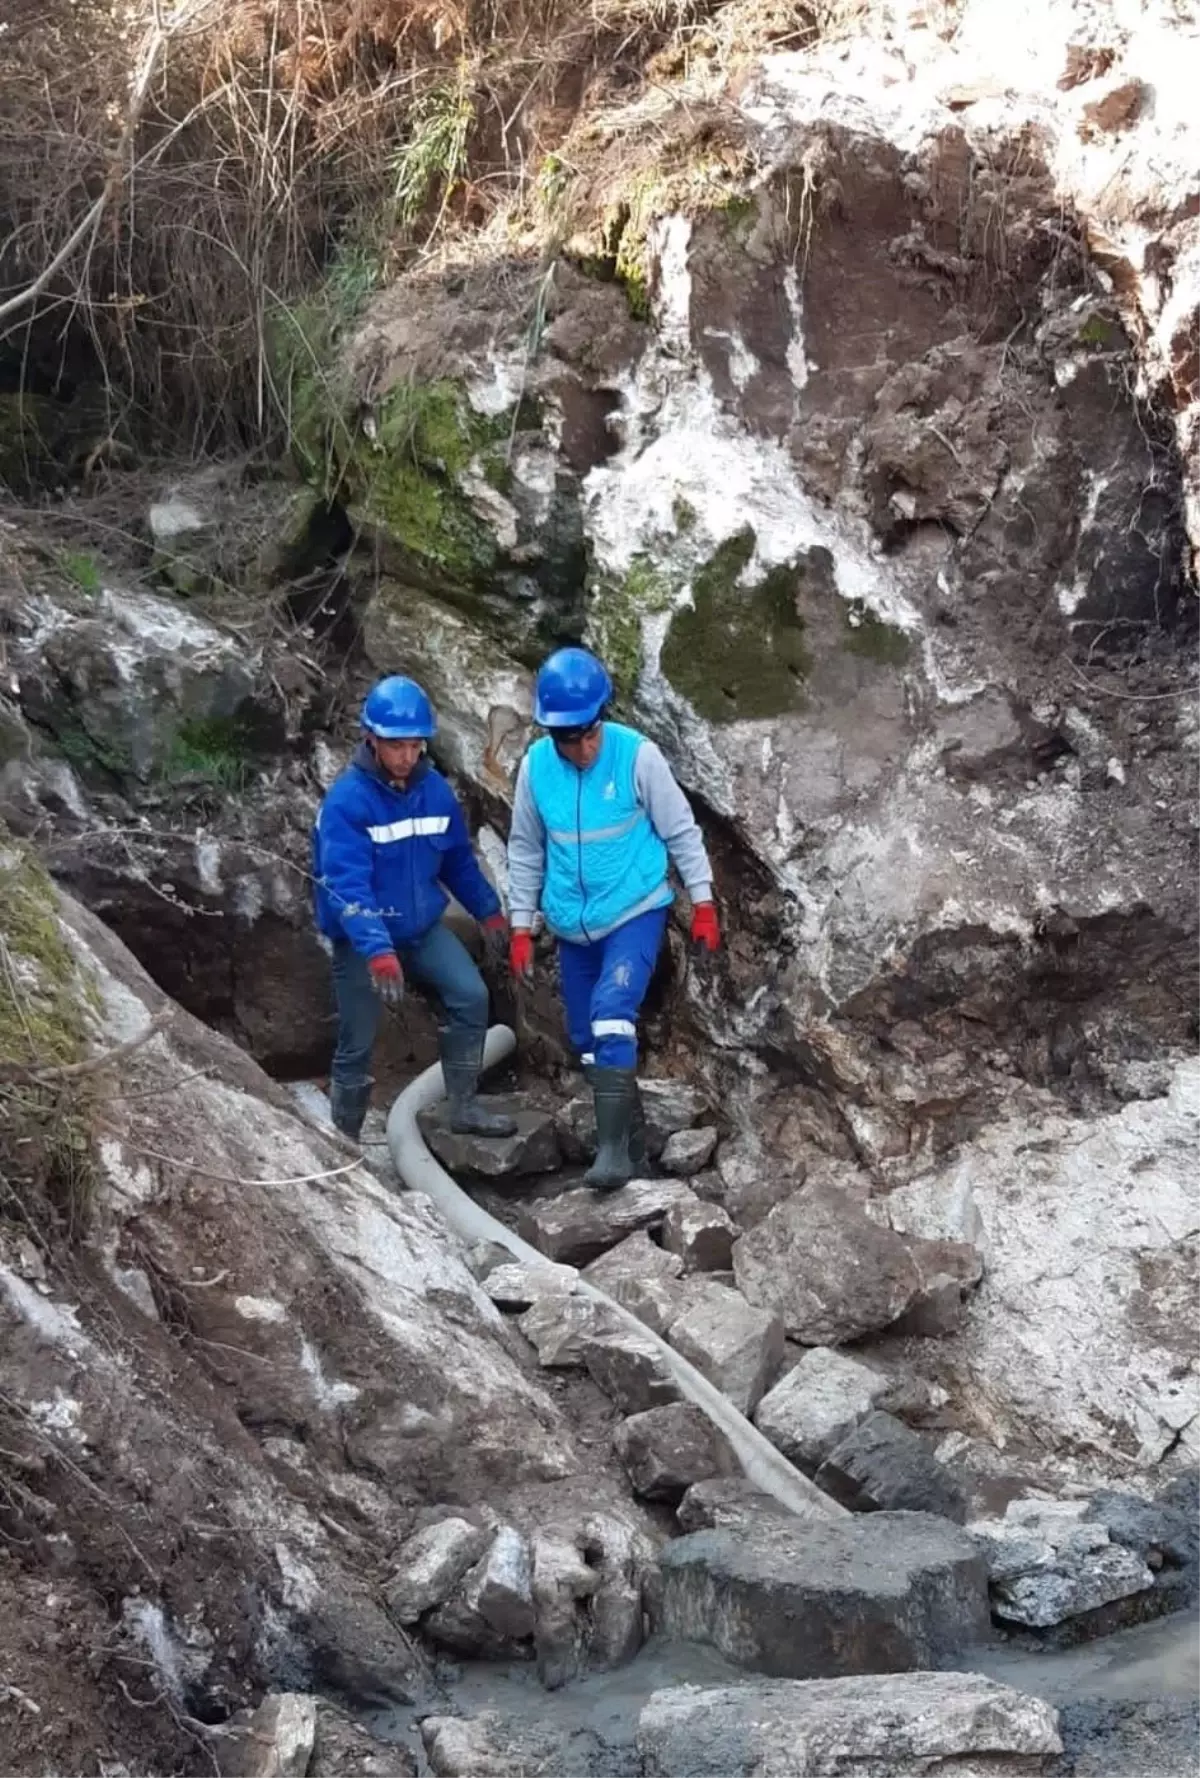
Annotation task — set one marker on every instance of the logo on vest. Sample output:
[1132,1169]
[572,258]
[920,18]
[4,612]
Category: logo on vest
[610,791]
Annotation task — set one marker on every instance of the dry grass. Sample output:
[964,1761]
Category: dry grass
[266,138]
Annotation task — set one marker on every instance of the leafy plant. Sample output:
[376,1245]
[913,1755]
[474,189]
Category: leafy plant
[435,152]
[83,569]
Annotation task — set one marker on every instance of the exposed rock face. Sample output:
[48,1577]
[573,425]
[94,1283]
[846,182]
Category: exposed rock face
[337,1370]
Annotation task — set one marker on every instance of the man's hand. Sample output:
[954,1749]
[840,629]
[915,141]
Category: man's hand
[520,955]
[387,977]
[705,930]
[495,935]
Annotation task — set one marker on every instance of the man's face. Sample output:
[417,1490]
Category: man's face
[397,757]
[579,746]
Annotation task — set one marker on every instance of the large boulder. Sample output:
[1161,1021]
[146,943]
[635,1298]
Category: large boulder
[1047,1563]
[666,1449]
[898,1725]
[822,1264]
[884,1466]
[818,1402]
[735,1345]
[580,1224]
[805,1601]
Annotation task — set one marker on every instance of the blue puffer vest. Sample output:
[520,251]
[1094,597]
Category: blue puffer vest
[605,864]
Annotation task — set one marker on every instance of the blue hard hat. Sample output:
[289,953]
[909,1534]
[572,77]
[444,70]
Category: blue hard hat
[398,710]
[572,689]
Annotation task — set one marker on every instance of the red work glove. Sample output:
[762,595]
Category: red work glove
[520,955]
[705,930]
[387,977]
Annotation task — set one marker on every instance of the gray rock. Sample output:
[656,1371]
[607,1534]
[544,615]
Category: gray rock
[725,1500]
[895,1725]
[735,1345]
[533,1149]
[641,1276]
[630,1370]
[700,1234]
[949,1272]
[632,1259]
[516,1286]
[831,1272]
[1046,1564]
[493,1607]
[1161,1534]
[655,1301]
[344,1749]
[689,1151]
[814,1600]
[430,1566]
[885,1466]
[560,1578]
[666,1449]
[625,1558]
[578,1225]
[817,1403]
[561,1327]
[276,1741]
[494,1746]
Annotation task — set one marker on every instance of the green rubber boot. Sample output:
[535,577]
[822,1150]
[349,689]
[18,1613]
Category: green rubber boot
[615,1093]
[462,1059]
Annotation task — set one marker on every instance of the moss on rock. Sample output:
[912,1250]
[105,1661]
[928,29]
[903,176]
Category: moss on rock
[739,651]
[42,1002]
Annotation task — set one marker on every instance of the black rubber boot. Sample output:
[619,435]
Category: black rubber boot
[348,1106]
[638,1152]
[462,1059]
[615,1093]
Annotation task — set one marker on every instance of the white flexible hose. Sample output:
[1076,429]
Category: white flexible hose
[761,1463]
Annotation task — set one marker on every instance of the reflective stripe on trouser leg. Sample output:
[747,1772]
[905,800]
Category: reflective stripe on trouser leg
[630,953]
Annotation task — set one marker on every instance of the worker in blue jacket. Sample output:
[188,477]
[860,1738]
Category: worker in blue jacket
[389,840]
[597,816]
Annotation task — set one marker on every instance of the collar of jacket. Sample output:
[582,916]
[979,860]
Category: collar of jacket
[365,761]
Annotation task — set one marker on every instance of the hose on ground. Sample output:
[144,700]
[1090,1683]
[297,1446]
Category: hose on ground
[764,1466]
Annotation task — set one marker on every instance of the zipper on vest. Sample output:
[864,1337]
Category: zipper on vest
[579,854]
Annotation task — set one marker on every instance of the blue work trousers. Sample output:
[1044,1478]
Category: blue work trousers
[438,960]
[604,985]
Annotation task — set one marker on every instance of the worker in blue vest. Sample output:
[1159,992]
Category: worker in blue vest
[389,841]
[597,816]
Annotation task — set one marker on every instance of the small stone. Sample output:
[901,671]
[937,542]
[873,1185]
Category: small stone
[494,1746]
[727,1500]
[892,1725]
[631,1371]
[1115,109]
[813,1599]
[1150,1528]
[736,1346]
[665,1450]
[1047,1563]
[689,1151]
[561,1327]
[578,1225]
[883,1466]
[640,1276]
[533,1149]
[277,1740]
[503,1591]
[635,1258]
[516,1286]
[701,1234]
[492,1608]
[817,1403]
[430,1566]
